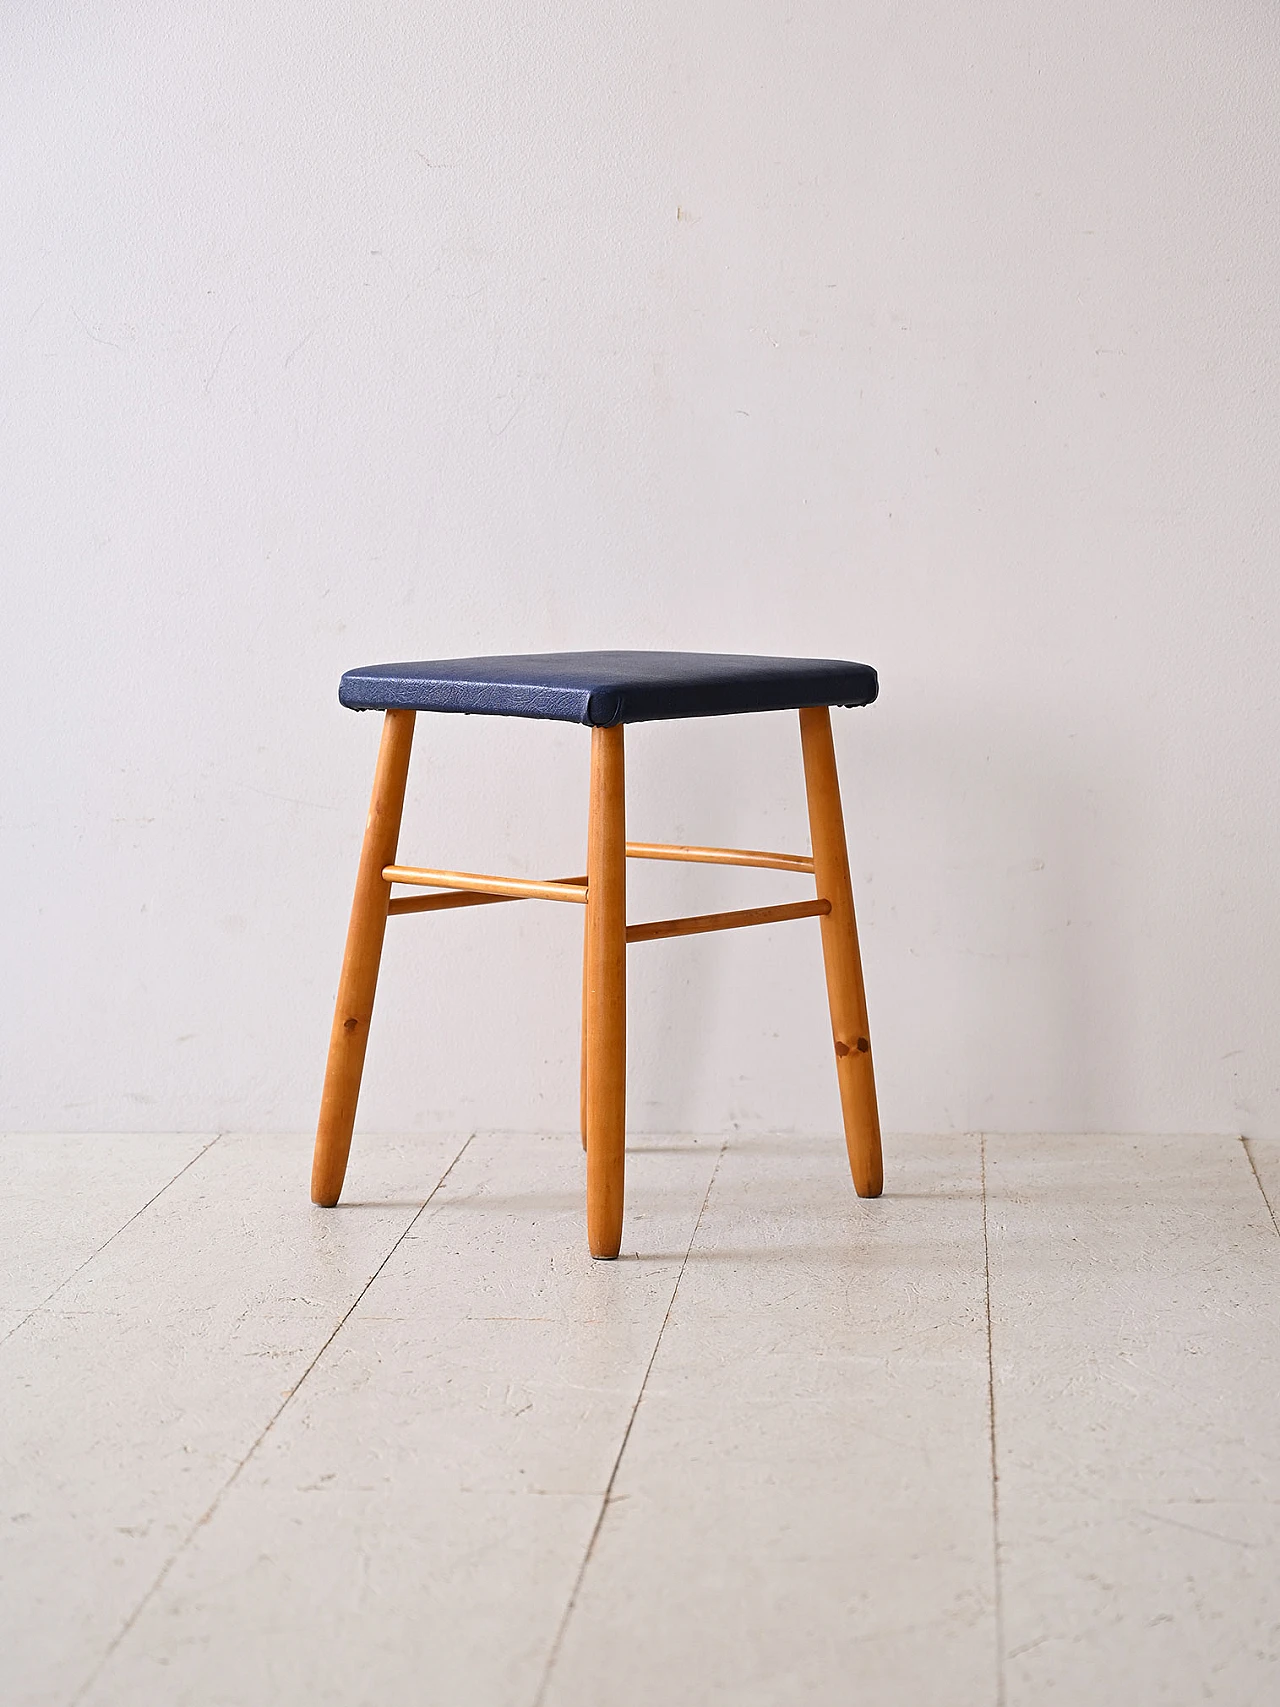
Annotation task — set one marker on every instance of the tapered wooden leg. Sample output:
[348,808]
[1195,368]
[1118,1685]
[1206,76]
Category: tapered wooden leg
[582,1059]
[840,952]
[605,994]
[359,980]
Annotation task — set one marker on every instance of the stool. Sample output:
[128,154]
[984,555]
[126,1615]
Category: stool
[605,691]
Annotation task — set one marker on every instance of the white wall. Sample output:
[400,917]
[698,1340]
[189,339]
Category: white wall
[938,336]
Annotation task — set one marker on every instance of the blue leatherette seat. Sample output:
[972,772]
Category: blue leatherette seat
[605,688]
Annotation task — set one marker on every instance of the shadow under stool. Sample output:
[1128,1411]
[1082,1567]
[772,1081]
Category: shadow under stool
[605,691]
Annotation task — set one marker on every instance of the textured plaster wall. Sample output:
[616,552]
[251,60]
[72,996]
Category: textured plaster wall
[940,336]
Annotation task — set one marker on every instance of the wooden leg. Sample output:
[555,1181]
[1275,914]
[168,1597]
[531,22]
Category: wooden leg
[359,980]
[582,1059]
[840,952]
[605,994]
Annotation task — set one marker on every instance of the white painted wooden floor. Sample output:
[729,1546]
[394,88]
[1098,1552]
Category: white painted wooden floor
[1009,1436]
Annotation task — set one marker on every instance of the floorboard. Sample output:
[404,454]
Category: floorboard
[422,1450]
[1264,1158]
[411,1529]
[803,1513]
[1136,1341]
[67,1195]
[132,1397]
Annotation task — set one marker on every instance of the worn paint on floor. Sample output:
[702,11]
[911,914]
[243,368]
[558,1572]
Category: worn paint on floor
[1007,1435]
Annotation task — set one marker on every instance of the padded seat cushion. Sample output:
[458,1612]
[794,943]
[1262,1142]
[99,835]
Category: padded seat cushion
[604,688]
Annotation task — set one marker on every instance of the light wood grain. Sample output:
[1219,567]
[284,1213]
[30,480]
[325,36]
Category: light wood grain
[605,993]
[719,856]
[845,991]
[697,923]
[358,982]
[443,903]
[582,1057]
[515,888]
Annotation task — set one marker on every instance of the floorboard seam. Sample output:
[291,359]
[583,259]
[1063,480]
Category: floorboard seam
[1271,1209]
[93,1255]
[287,1400]
[556,1645]
[991,1429]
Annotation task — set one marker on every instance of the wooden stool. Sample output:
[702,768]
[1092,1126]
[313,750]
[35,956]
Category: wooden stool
[606,691]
